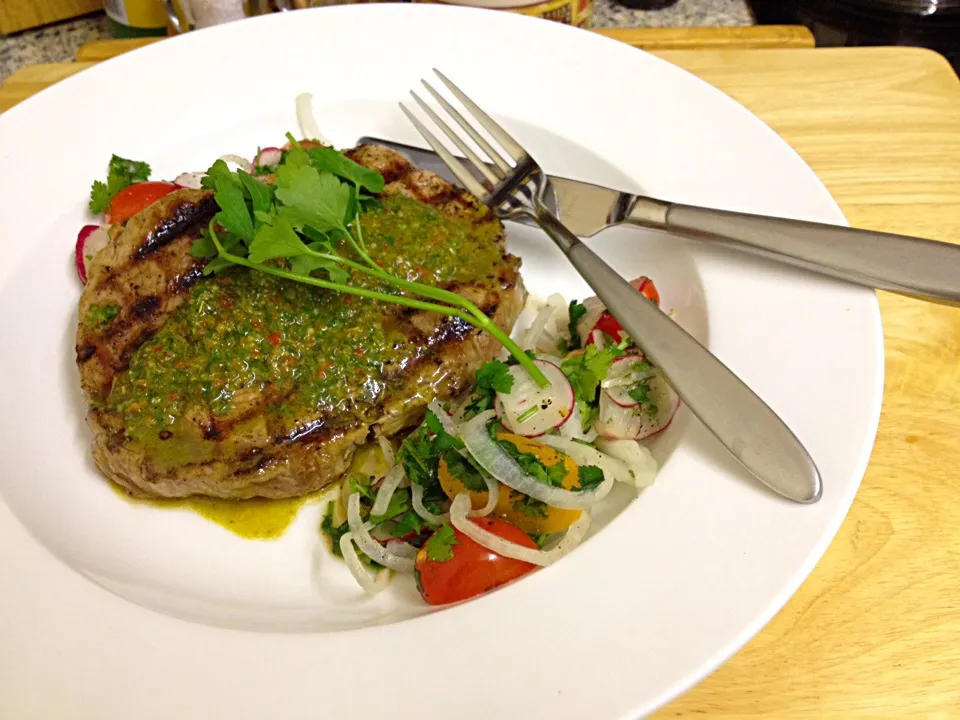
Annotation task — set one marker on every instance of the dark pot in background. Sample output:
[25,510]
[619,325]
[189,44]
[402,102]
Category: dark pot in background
[933,24]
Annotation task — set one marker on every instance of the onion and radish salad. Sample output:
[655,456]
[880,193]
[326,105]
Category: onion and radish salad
[504,480]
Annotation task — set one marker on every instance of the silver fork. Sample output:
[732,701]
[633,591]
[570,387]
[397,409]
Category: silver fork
[746,426]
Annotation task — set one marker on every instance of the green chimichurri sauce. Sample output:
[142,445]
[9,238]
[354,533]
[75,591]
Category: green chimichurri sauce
[244,333]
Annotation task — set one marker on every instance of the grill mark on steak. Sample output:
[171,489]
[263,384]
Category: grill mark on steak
[185,215]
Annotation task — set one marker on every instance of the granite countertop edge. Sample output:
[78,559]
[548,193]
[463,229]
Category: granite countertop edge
[59,42]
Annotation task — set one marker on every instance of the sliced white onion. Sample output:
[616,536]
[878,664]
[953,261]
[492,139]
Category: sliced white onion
[444,417]
[416,492]
[401,548]
[389,485]
[387,450]
[552,406]
[492,458]
[370,582]
[240,162]
[533,333]
[309,130]
[190,180]
[491,541]
[366,542]
[598,340]
[493,495]
[582,454]
[643,467]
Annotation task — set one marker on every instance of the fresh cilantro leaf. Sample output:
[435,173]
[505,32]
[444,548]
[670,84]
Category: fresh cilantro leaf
[399,504]
[492,377]
[417,457]
[261,194]
[495,375]
[641,394]
[552,475]
[219,173]
[463,471]
[311,198]
[217,265]
[439,546]
[361,484]
[586,370]
[442,440]
[99,197]
[121,173]
[409,523]
[577,311]
[334,533]
[326,159]
[306,264]
[135,170]
[276,241]
[234,214]
[203,247]
[589,477]
[531,507]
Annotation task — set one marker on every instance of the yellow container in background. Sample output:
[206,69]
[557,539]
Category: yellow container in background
[569,12]
[136,18]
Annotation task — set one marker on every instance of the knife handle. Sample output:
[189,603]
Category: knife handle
[743,422]
[908,265]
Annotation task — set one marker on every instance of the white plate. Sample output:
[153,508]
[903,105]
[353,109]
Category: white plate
[660,595]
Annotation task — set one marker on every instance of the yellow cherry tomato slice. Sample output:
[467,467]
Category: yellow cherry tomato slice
[531,516]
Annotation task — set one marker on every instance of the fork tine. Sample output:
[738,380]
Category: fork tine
[455,139]
[512,147]
[456,167]
[471,130]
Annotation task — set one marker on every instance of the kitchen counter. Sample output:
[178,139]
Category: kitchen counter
[59,42]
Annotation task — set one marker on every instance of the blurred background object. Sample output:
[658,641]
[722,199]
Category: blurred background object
[933,24]
[21,14]
[569,12]
[646,4]
[136,18]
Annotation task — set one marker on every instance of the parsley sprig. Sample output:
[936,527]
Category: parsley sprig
[313,209]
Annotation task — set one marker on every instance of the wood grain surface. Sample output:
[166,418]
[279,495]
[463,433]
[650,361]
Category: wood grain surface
[875,631]
[22,14]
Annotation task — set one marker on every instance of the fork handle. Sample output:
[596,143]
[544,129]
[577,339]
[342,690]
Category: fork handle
[909,265]
[746,426]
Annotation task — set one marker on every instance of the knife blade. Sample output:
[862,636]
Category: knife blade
[583,207]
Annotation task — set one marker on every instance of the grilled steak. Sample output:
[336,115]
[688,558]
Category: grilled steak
[245,385]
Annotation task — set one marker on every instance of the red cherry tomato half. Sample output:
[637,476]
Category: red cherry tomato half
[472,569]
[610,325]
[131,200]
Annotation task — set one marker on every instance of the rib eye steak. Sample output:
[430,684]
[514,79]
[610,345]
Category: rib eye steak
[245,385]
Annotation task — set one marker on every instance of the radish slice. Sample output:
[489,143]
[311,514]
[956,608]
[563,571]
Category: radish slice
[492,458]
[531,410]
[615,422]
[622,377]
[90,240]
[192,180]
[666,401]
[268,157]
[595,308]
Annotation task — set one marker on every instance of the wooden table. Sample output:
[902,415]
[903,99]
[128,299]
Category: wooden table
[875,630]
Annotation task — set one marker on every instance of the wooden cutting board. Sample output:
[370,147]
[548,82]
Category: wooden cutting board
[875,630]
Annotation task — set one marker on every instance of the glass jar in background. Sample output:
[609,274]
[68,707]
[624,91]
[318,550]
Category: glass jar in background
[135,18]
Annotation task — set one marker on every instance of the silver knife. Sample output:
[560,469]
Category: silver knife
[925,269]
